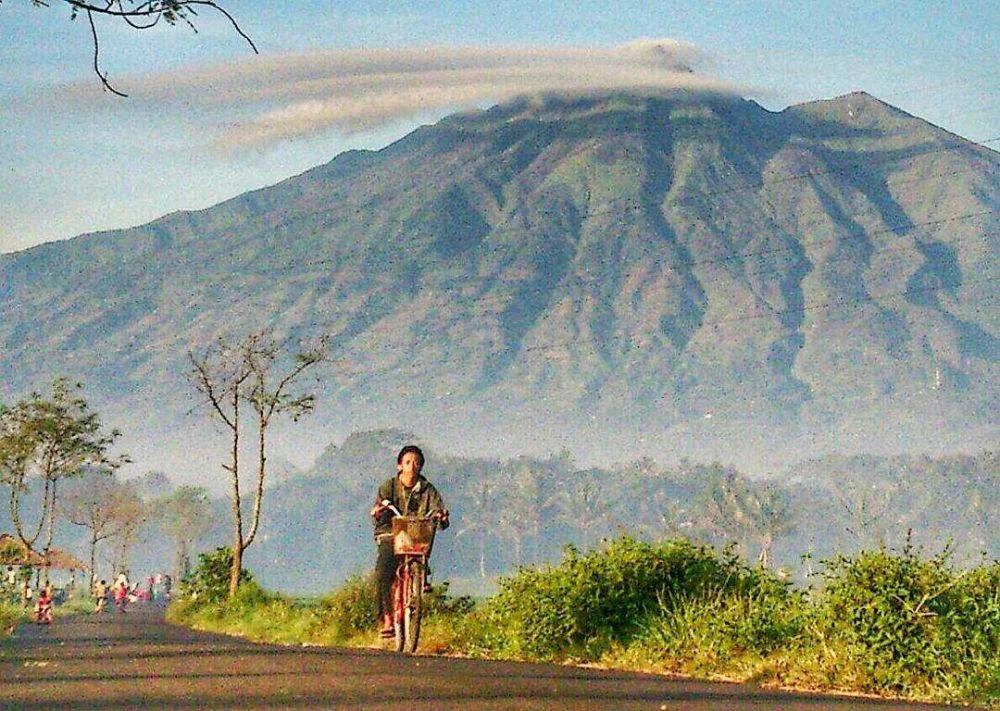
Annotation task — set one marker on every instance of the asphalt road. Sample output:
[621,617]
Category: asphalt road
[137,661]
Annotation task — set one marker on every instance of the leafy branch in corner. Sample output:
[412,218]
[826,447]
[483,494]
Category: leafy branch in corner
[141,15]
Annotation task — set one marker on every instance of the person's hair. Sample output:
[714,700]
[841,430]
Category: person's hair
[406,450]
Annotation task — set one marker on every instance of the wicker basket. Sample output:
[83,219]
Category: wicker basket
[412,535]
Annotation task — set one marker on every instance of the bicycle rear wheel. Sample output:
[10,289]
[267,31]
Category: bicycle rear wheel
[400,595]
[412,611]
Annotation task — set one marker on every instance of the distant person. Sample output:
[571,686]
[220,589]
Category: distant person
[412,495]
[120,594]
[43,607]
[100,596]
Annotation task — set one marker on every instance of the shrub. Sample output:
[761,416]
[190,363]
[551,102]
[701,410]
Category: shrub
[10,614]
[209,580]
[350,609]
[716,631]
[439,603]
[590,601]
[913,624]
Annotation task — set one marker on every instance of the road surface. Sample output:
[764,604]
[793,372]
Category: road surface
[137,661]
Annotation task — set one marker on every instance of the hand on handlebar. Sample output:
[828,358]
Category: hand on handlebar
[381,507]
[441,515]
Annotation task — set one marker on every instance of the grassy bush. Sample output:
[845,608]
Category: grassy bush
[209,580]
[885,623]
[913,625]
[728,631]
[345,616]
[589,602]
[349,610]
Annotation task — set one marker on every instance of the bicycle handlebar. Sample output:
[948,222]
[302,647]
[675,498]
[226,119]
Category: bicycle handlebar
[386,505]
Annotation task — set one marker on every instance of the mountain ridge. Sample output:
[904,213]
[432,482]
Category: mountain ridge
[680,267]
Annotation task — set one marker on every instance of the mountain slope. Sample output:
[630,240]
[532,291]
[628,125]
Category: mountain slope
[619,272]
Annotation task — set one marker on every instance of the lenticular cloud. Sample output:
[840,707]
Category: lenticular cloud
[285,97]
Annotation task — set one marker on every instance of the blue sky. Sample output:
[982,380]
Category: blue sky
[207,120]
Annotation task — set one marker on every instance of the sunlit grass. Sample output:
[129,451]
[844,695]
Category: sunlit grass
[881,624]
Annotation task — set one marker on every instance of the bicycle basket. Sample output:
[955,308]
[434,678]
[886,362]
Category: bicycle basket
[412,535]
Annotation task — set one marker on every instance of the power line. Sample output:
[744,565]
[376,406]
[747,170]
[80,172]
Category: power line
[345,361]
[769,315]
[688,266]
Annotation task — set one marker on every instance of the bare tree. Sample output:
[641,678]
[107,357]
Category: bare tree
[131,517]
[48,440]
[869,507]
[260,371]
[102,504]
[185,516]
[139,15]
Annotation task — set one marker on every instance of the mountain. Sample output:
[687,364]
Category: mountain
[623,274]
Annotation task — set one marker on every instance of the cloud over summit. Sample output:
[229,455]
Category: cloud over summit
[291,96]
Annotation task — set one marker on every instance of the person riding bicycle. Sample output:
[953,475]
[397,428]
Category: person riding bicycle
[43,607]
[412,495]
[100,596]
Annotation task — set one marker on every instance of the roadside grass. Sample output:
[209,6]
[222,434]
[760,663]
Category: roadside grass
[13,612]
[10,614]
[76,604]
[879,623]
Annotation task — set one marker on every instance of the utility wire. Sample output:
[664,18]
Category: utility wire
[794,247]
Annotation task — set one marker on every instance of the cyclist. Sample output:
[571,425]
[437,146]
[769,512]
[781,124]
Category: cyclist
[43,607]
[100,596]
[412,495]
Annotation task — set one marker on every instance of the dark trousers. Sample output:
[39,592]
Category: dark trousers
[385,571]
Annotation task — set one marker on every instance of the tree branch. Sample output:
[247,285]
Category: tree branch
[170,11]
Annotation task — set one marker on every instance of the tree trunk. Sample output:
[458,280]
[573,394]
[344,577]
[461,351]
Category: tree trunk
[93,559]
[237,562]
[47,553]
[234,571]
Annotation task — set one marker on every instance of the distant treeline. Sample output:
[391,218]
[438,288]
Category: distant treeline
[524,511]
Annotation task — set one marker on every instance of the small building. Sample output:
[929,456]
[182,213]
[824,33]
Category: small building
[14,555]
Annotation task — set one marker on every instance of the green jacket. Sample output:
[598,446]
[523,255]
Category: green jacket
[420,500]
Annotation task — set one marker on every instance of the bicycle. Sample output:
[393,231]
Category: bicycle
[412,540]
[42,614]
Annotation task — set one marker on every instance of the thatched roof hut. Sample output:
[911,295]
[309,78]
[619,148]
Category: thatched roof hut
[14,552]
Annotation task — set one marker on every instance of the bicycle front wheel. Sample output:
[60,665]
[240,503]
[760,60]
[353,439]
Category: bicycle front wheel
[413,610]
[400,602]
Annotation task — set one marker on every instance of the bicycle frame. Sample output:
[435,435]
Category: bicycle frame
[411,575]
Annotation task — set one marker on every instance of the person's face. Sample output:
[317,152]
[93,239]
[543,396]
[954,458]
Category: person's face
[409,466]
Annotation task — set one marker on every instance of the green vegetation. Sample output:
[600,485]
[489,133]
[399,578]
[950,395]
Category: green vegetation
[879,622]
[343,617]
[10,614]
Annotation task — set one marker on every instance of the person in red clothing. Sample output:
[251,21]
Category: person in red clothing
[43,607]
[120,594]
